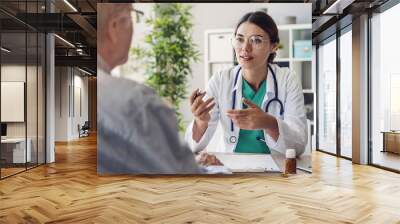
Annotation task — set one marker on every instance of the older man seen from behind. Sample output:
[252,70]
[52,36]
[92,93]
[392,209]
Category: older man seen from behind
[137,132]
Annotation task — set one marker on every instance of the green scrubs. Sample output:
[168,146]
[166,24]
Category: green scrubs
[248,142]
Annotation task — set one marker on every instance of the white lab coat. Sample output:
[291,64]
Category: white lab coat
[292,124]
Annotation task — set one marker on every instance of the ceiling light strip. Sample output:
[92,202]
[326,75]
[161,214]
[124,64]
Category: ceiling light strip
[65,41]
[86,72]
[70,5]
[5,49]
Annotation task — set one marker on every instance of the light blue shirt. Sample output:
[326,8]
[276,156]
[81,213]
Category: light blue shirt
[137,132]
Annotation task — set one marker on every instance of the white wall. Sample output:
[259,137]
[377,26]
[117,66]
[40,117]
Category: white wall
[61,103]
[214,16]
[14,73]
[33,126]
[80,83]
[17,73]
[68,81]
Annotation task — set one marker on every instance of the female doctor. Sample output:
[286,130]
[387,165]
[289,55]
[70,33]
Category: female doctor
[259,104]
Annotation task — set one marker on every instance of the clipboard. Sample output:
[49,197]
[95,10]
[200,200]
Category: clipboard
[248,162]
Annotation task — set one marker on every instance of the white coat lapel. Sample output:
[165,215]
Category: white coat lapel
[238,99]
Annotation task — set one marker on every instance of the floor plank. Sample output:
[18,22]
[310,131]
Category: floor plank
[70,191]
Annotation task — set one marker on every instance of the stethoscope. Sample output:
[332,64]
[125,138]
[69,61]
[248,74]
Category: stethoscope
[233,138]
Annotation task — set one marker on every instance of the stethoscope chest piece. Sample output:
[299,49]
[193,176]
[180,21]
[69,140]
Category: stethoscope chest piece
[232,139]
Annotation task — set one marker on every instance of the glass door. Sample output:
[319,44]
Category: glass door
[22,77]
[385,89]
[346,93]
[327,96]
[14,152]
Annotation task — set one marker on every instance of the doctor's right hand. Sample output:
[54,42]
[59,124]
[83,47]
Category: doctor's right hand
[200,108]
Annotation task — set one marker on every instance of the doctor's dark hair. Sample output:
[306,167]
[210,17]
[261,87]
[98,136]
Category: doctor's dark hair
[265,22]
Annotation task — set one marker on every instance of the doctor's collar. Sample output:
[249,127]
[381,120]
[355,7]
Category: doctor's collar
[270,79]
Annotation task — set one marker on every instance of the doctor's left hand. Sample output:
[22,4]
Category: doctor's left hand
[251,118]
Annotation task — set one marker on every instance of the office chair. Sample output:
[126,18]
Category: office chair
[84,130]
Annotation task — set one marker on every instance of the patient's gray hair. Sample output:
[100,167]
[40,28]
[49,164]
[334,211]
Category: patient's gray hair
[106,11]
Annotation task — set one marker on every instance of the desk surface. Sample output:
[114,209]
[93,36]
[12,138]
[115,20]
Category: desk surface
[13,140]
[391,132]
[303,162]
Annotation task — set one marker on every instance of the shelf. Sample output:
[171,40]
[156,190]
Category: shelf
[302,59]
[308,91]
[282,59]
[294,26]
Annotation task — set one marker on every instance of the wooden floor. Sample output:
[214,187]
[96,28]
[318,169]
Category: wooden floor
[70,191]
[10,171]
[5,172]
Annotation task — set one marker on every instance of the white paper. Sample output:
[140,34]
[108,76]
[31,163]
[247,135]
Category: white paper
[217,170]
[248,162]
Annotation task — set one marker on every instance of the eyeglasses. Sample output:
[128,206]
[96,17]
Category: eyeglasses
[256,42]
[137,14]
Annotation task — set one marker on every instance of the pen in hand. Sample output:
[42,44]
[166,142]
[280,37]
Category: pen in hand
[198,93]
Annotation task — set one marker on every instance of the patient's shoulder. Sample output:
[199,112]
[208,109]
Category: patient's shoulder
[128,97]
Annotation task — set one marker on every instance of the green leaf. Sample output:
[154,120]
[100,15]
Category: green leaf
[169,53]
